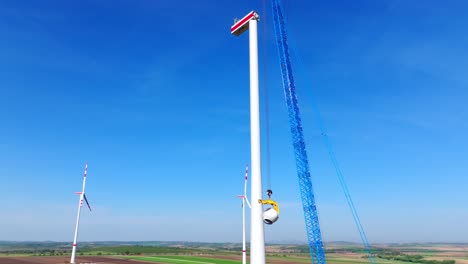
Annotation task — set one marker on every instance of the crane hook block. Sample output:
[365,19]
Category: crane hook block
[269,193]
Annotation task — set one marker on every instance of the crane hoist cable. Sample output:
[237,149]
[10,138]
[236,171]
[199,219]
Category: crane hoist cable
[266,94]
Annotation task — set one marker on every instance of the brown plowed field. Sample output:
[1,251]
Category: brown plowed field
[62,260]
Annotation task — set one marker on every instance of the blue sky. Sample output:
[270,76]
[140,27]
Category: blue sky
[154,94]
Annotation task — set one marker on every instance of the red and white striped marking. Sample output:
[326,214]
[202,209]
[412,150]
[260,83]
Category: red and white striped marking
[246,171]
[84,176]
[86,169]
[242,25]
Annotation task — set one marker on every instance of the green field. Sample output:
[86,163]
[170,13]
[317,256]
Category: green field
[184,260]
[288,259]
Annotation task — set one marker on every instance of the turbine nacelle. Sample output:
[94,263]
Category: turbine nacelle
[271,214]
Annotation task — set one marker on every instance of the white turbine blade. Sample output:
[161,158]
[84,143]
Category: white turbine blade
[248,203]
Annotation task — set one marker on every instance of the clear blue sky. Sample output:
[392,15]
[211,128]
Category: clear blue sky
[154,94]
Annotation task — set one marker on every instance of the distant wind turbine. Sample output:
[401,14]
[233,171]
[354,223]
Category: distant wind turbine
[244,201]
[80,204]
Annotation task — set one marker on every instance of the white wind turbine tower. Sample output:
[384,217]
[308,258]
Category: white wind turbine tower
[244,201]
[80,204]
[257,236]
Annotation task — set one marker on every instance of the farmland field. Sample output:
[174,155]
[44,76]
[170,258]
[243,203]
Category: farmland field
[187,260]
[227,253]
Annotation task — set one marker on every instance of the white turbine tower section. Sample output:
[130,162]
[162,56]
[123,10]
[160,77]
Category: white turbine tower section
[80,204]
[257,236]
[244,201]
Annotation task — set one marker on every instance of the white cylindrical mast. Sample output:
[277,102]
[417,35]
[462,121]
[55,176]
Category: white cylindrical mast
[80,204]
[257,237]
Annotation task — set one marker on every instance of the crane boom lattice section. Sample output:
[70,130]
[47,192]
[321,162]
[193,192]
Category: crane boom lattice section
[314,235]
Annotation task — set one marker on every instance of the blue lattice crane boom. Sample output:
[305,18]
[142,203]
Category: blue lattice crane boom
[307,195]
[314,235]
